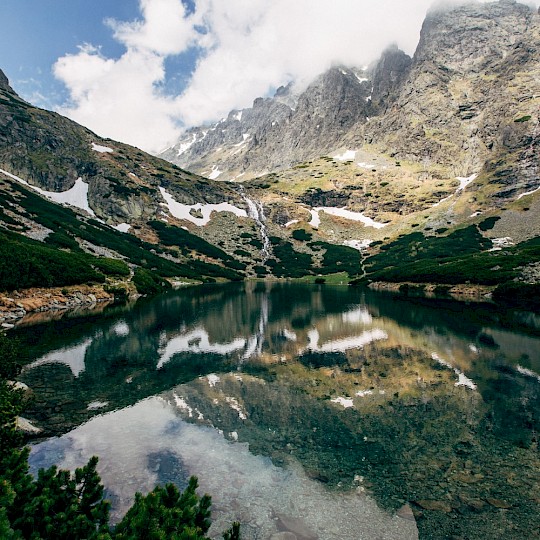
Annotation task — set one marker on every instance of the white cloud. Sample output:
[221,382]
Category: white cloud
[248,48]
[165,28]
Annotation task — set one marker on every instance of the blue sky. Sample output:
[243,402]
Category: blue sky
[35,33]
[141,71]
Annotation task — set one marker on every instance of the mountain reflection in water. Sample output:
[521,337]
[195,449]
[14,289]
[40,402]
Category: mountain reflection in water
[429,406]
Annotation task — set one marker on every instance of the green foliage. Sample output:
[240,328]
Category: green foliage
[25,263]
[147,282]
[488,223]
[165,513]
[302,235]
[525,118]
[411,248]
[242,253]
[338,259]
[514,293]
[288,262]
[110,267]
[458,257]
[63,241]
[176,236]
[62,505]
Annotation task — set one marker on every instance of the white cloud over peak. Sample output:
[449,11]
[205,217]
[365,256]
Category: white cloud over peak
[246,48]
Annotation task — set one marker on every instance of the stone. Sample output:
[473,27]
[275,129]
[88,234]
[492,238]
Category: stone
[498,503]
[284,535]
[430,504]
[405,512]
[296,526]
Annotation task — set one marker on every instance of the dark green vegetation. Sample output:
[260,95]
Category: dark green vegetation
[462,256]
[302,235]
[60,505]
[338,259]
[288,261]
[60,261]
[188,242]
[27,263]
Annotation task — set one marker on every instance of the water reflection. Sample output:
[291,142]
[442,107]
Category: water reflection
[148,444]
[432,405]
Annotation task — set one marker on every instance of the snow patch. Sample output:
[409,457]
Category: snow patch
[346,403]
[341,345]
[235,406]
[121,329]
[528,372]
[73,357]
[95,405]
[346,214]
[186,145]
[212,379]
[364,393]
[102,149]
[361,79]
[122,227]
[292,222]
[291,336]
[360,315]
[238,116]
[315,218]
[76,196]
[360,245]
[364,165]
[182,211]
[196,341]
[348,155]
[528,193]
[465,181]
[501,243]
[463,380]
[215,173]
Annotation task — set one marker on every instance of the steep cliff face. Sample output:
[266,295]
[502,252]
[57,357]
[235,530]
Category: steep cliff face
[388,76]
[472,93]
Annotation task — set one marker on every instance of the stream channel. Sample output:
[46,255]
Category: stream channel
[306,411]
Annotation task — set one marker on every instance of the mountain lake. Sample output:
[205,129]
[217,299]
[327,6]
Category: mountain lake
[306,411]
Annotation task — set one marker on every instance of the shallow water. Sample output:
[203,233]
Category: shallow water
[317,410]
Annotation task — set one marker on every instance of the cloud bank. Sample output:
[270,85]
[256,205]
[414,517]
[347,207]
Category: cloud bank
[245,48]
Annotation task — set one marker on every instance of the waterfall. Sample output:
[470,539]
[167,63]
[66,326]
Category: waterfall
[256,212]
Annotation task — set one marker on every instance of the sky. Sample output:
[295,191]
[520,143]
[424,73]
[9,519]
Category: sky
[141,71]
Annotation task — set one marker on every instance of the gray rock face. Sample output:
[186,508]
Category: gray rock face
[473,74]
[388,76]
[280,131]
[4,82]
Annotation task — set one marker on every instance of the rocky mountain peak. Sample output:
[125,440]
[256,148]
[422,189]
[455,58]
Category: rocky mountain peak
[388,75]
[4,83]
[466,37]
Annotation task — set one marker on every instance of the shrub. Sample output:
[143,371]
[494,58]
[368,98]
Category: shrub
[146,282]
[301,235]
[111,267]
